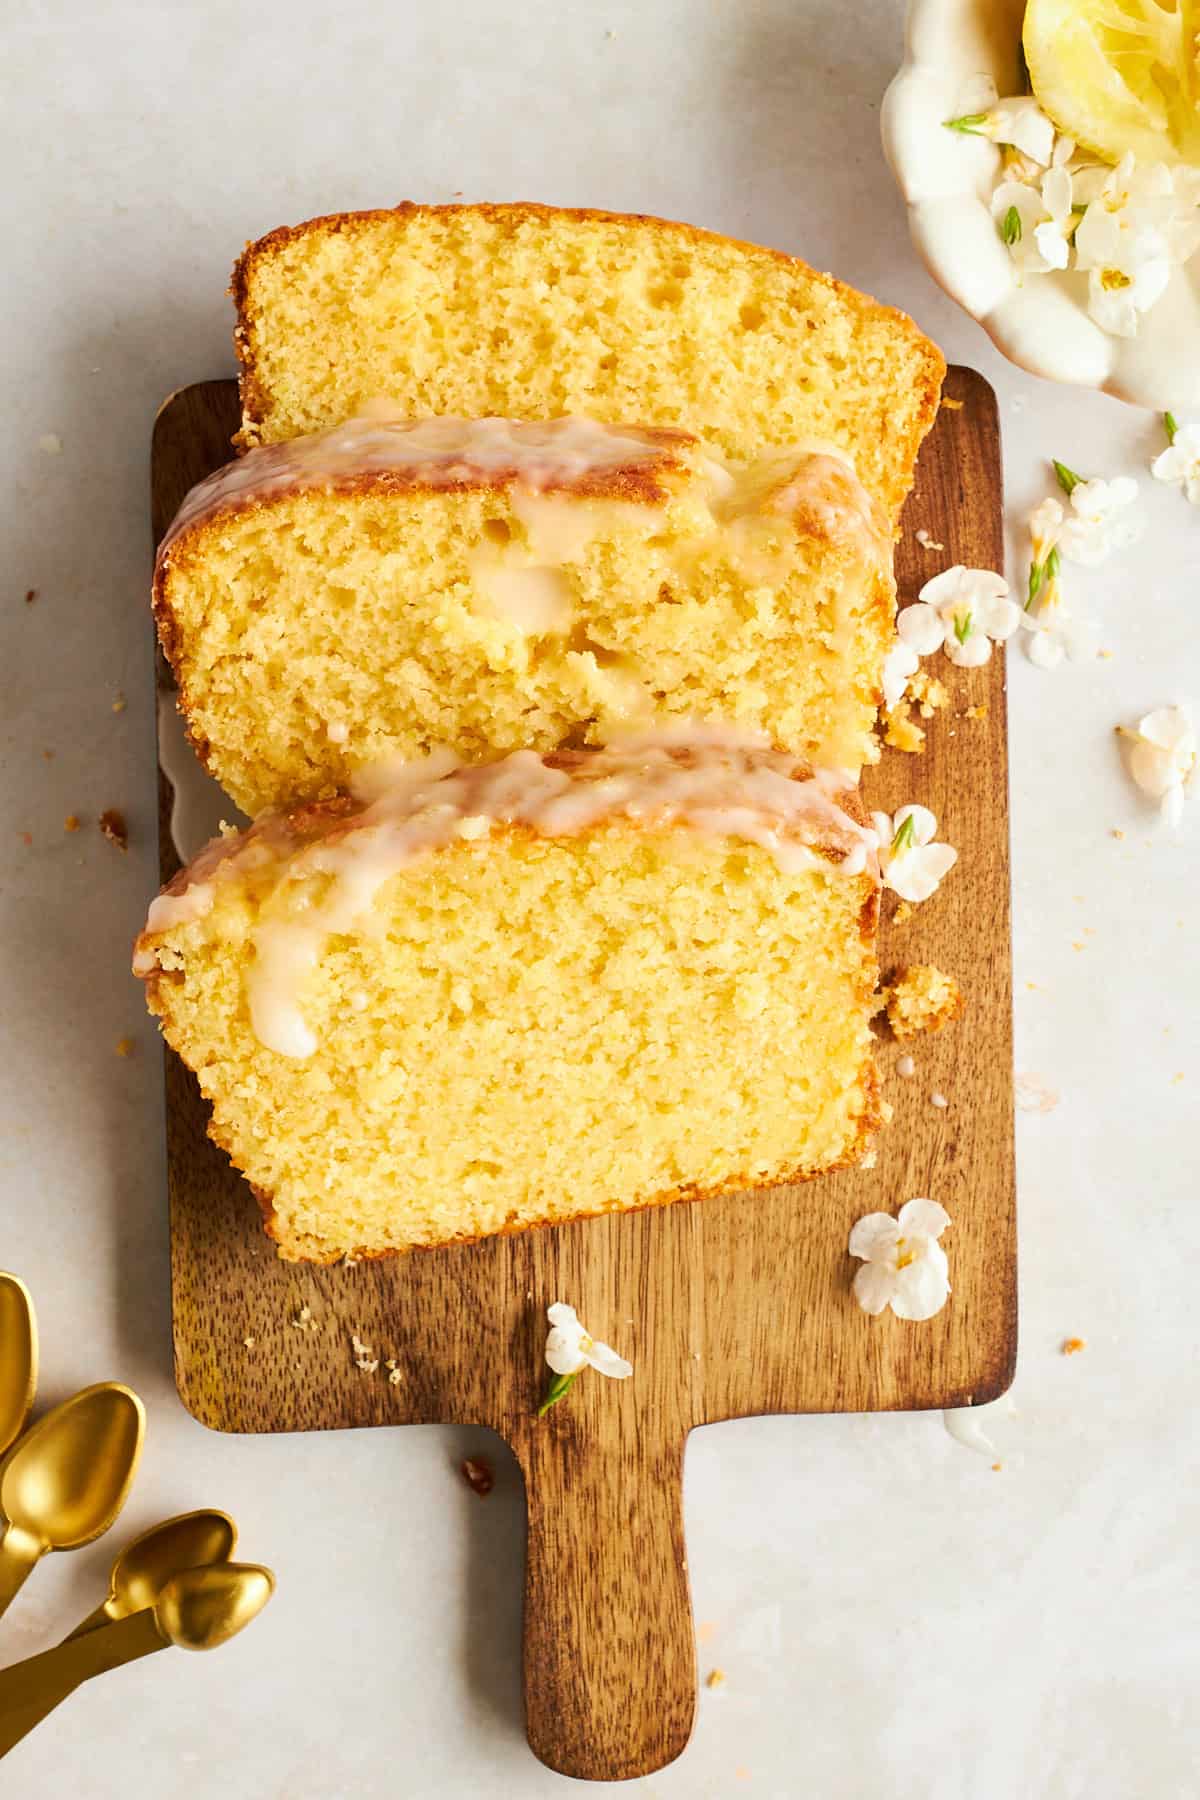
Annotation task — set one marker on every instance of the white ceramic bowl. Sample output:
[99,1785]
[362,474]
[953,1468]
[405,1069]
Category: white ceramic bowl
[947,180]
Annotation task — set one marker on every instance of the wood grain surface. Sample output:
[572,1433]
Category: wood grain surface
[727,1307]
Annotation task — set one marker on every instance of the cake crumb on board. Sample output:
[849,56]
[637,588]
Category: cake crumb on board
[71,822]
[31,595]
[921,998]
[364,1355]
[124,1046]
[1073,1345]
[716,1678]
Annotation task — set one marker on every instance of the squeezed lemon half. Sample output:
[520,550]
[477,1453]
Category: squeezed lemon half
[1119,75]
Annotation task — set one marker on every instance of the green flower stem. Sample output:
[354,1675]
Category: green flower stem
[970,123]
[962,626]
[1170,426]
[1068,480]
[554,1393]
[1037,575]
[904,836]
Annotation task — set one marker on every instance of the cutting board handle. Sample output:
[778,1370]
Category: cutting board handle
[610,1656]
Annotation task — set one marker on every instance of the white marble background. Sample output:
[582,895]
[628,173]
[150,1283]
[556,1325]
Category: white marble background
[893,1617]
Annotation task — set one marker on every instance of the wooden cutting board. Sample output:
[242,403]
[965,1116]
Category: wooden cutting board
[727,1307]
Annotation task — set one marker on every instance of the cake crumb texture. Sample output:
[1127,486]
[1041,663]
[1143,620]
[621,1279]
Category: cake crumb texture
[531,312]
[314,631]
[553,1027]
[921,998]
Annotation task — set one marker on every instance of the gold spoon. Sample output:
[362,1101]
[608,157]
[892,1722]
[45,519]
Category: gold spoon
[66,1480]
[198,1609]
[18,1357]
[145,1566]
[138,1577]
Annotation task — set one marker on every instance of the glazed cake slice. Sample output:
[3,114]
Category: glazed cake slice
[532,312]
[388,587]
[510,994]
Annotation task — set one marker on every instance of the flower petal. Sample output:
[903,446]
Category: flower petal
[1171,464]
[1169,726]
[920,628]
[1052,247]
[918,874]
[563,1352]
[1056,193]
[874,1286]
[973,653]
[874,1237]
[604,1358]
[885,831]
[923,1216]
[999,618]
[564,1316]
[923,1288]
[1044,647]
[1172,805]
[900,662]
[942,590]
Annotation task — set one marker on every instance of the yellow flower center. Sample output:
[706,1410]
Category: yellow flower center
[1111,279]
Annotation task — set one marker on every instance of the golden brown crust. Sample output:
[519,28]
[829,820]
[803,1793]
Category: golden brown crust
[511,214]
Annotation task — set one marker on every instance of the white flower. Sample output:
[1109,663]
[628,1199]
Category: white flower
[1035,223]
[1045,523]
[900,662]
[1055,631]
[569,1348]
[1104,517]
[910,863]
[1117,298]
[964,610]
[903,1265]
[1127,239]
[1162,757]
[1181,462]
[1022,123]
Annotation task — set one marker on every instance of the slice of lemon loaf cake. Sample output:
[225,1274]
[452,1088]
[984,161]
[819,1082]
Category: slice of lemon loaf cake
[390,587]
[531,312]
[480,998]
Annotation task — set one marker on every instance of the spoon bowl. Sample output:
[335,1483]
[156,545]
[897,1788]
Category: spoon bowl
[148,1564]
[65,1481]
[200,1609]
[18,1357]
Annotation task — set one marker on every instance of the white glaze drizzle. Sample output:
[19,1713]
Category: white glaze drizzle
[711,780]
[448,452]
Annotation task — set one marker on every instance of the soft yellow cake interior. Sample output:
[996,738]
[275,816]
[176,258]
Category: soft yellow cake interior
[531,312]
[532,1029]
[323,630]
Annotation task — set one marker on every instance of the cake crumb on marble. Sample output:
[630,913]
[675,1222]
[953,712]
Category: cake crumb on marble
[114,828]
[478,1476]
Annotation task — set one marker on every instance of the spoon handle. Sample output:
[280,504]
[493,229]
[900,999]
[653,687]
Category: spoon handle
[31,1689]
[18,1556]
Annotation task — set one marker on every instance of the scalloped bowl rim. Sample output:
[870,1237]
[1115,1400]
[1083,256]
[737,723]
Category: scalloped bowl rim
[1040,323]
